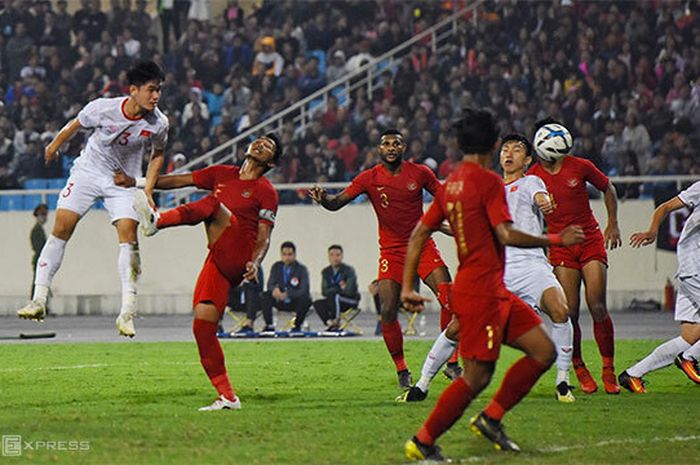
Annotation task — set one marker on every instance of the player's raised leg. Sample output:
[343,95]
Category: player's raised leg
[49,262]
[389,292]
[689,360]
[129,265]
[439,281]
[553,303]
[594,274]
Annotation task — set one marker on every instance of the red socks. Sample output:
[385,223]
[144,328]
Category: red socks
[446,313]
[190,213]
[449,408]
[576,358]
[212,357]
[393,338]
[604,333]
[517,382]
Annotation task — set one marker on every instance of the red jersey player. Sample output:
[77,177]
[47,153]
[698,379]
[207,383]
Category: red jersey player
[473,200]
[239,216]
[395,188]
[566,180]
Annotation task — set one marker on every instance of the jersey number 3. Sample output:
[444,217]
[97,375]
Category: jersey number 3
[124,138]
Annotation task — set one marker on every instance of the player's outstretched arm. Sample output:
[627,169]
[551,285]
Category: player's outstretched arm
[262,244]
[413,301]
[508,235]
[64,135]
[612,230]
[165,182]
[155,164]
[640,239]
[330,202]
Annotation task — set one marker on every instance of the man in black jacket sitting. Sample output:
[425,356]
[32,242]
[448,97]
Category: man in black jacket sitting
[339,289]
[287,289]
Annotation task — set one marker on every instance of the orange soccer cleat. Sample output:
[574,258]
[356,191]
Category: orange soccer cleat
[610,381]
[689,367]
[632,384]
[585,380]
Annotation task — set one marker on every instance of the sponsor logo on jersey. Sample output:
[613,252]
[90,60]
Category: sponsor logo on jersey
[412,186]
[145,133]
[380,188]
[246,194]
[573,182]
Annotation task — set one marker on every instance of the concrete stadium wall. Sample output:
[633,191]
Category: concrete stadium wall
[88,281]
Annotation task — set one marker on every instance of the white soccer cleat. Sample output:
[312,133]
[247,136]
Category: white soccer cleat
[34,310]
[125,324]
[222,403]
[148,217]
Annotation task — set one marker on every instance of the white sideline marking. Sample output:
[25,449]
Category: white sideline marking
[93,365]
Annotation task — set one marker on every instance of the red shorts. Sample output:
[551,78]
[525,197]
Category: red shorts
[577,256]
[391,262]
[223,268]
[486,322]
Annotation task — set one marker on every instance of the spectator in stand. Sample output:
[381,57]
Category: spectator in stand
[637,140]
[339,289]
[268,61]
[614,149]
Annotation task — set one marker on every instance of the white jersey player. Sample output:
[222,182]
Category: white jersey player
[684,350]
[528,273]
[123,128]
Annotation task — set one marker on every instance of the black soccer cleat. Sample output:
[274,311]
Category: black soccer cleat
[413,394]
[452,371]
[493,430]
[405,379]
[416,450]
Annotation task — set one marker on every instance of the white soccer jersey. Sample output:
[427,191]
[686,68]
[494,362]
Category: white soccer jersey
[118,141]
[526,216]
[688,248]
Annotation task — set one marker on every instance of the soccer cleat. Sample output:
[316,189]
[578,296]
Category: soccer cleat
[491,429]
[34,310]
[585,380]
[689,367]
[125,323]
[452,371]
[610,381]
[405,379]
[631,383]
[148,217]
[564,393]
[413,394]
[268,331]
[297,332]
[416,450]
[245,331]
[222,403]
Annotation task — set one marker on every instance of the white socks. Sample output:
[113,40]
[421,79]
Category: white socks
[563,337]
[129,271]
[49,262]
[439,354]
[661,357]
[692,352]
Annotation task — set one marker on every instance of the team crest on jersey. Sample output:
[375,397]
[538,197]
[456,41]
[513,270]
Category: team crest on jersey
[145,133]
[294,282]
[246,194]
[513,188]
[412,186]
[573,182]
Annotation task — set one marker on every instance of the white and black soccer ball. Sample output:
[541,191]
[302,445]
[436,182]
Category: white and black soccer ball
[553,141]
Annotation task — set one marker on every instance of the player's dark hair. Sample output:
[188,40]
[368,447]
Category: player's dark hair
[278,146]
[519,138]
[288,245]
[143,72]
[543,122]
[391,132]
[476,131]
[336,247]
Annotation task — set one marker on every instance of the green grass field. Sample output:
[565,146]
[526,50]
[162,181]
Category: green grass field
[312,402]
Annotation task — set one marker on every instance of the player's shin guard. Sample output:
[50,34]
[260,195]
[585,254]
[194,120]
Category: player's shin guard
[604,333]
[518,381]
[563,335]
[661,357]
[442,349]
[393,338]
[212,357]
[449,408]
[190,213]
[129,265]
[49,262]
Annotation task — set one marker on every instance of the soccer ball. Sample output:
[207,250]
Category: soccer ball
[553,141]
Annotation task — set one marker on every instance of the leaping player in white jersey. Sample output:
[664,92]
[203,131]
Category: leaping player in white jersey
[683,350]
[123,128]
[528,273]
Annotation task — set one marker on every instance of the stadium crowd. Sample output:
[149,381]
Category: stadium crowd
[623,76]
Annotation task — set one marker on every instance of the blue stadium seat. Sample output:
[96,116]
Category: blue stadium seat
[58,183]
[321,56]
[340,94]
[67,163]
[37,183]
[11,202]
[314,104]
[30,201]
[51,201]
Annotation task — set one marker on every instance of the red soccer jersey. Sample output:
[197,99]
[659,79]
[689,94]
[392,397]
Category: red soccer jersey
[473,200]
[252,201]
[397,199]
[568,189]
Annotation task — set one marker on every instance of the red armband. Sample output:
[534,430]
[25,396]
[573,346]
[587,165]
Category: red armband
[554,239]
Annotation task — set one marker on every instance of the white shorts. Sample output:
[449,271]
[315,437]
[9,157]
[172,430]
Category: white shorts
[688,299]
[529,279]
[85,187]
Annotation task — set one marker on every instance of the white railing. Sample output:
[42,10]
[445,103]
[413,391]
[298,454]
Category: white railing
[302,111]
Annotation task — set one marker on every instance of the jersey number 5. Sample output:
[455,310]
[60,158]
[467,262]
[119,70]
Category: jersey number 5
[124,138]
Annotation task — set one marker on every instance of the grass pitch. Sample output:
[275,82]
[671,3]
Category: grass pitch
[313,402]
